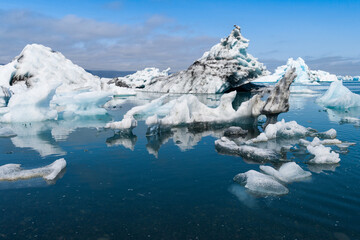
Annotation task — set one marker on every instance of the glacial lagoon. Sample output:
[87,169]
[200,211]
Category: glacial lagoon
[175,185]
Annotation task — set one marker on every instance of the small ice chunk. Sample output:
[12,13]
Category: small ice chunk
[288,172]
[281,129]
[331,133]
[323,155]
[245,151]
[7,132]
[12,172]
[260,183]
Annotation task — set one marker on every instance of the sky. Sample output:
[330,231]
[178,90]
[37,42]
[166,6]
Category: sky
[132,35]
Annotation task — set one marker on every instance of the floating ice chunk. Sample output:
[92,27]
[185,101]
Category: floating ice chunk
[331,133]
[316,142]
[339,96]
[12,172]
[7,132]
[281,129]
[260,183]
[288,172]
[323,155]
[248,152]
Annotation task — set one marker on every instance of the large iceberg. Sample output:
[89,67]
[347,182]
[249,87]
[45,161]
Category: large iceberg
[225,67]
[303,72]
[40,83]
[339,96]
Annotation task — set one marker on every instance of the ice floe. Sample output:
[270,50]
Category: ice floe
[13,172]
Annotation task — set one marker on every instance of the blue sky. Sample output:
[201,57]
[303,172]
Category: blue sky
[130,35]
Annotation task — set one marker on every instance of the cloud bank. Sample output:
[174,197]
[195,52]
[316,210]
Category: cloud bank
[159,41]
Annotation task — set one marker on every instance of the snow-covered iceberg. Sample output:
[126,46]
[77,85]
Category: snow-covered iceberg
[40,83]
[13,172]
[303,72]
[339,96]
[225,67]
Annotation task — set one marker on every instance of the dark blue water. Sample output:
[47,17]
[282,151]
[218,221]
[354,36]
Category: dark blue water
[173,187]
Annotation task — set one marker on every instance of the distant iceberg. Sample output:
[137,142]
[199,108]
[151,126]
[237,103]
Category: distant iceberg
[140,79]
[303,72]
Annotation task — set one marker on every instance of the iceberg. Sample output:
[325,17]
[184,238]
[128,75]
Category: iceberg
[13,172]
[288,172]
[189,110]
[348,78]
[225,67]
[339,97]
[304,74]
[260,183]
[40,83]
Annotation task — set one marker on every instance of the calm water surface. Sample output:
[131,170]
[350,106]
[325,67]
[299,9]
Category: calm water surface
[175,186]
